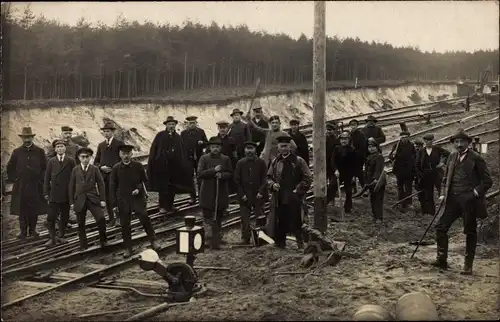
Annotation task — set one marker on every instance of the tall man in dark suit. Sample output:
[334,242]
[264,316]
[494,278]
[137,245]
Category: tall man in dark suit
[55,190]
[467,181]
[106,157]
[86,192]
[259,120]
[404,167]
[128,194]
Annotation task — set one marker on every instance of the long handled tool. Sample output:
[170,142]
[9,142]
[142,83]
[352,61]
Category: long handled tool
[341,205]
[216,199]
[427,230]
[405,198]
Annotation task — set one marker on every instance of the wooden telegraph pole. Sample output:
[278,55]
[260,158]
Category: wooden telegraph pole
[319,141]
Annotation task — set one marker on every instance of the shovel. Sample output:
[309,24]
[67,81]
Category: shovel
[341,205]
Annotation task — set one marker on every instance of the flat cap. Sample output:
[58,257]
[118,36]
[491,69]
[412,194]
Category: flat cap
[191,118]
[371,118]
[418,142]
[126,147]
[353,121]
[223,123]
[429,137]
[89,151]
[274,117]
[66,129]
[214,140]
[251,143]
[372,142]
[58,142]
[330,126]
[284,139]
[294,121]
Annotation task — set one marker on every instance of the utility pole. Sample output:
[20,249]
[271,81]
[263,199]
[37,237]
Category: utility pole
[319,141]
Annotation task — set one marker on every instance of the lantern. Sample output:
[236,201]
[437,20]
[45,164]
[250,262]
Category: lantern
[259,237]
[190,239]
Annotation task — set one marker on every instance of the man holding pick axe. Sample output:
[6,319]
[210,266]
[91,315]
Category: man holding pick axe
[215,171]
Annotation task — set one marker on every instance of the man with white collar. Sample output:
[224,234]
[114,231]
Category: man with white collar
[71,147]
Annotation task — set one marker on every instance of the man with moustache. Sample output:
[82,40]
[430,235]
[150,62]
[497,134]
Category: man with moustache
[467,181]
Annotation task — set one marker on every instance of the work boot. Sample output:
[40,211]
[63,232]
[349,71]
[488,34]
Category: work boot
[102,233]
[62,229]
[112,222]
[52,236]
[172,210]
[154,245]
[83,245]
[470,251]
[442,252]
[34,233]
[128,253]
[21,236]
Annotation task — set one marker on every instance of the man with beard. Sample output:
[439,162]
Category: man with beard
[300,140]
[106,157]
[466,184]
[168,167]
[371,130]
[26,169]
[331,142]
[358,140]
[194,140]
[430,162]
[215,170]
[289,179]
[250,178]
[55,190]
[403,159]
[344,156]
[375,179]
[240,133]
[127,182]
[260,121]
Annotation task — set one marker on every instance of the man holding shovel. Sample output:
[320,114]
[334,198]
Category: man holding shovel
[215,171]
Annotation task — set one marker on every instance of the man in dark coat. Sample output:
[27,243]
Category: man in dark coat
[106,157]
[250,178]
[168,167]
[215,170]
[55,190]
[289,178]
[371,130]
[26,169]
[344,156]
[332,141]
[404,167]
[229,148]
[300,140]
[71,147]
[419,145]
[87,192]
[358,141]
[127,187]
[430,162]
[375,179]
[466,184]
[194,140]
[259,120]
[240,132]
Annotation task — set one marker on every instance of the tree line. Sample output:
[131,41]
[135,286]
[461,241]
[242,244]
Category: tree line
[44,59]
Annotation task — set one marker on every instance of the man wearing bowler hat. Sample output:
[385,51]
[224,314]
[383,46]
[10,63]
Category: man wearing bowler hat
[128,194]
[240,132]
[169,170]
[372,130]
[260,121]
[467,181]
[106,157]
[26,169]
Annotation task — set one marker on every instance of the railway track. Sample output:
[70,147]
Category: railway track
[45,270]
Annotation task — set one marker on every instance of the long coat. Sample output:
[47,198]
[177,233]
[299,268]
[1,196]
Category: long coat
[478,172]
[168,166]
[302,146]
[342,160]
[250,177]
[57,178]
[359,142]
[123,180]
[404,159]
[84,187]
[26,169]
[190,138]
[206,173]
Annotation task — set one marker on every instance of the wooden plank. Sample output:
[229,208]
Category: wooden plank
[128,282]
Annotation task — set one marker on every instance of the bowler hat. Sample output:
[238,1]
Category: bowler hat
[236,111]
[284,139]
[126,147]
[274,117]
[371,118]
[353,121]
[214,140]
[223,123]
[429,137]
[66,129]
[108,126]
[251,143]
[294,121]
[84,150]
[26,132]
[460,134]
[169,120]
[191,118]
[403,133]
[57,142]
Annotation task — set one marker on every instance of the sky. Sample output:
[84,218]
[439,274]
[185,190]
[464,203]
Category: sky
[430,25]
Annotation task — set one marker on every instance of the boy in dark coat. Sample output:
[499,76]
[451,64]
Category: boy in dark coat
[26,169]
[300,140]
[127,186]
[86,192]
[194,140]
[106,157]
[250,178]
[358,141]
[343,158]
[403,167]
[55,190]
[376,180]
[215,170]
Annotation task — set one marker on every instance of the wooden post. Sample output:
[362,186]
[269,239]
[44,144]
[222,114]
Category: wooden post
[319,141]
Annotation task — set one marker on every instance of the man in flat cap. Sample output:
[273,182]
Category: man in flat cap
[55,190]
[300,140]
[429,166]
[260,121]
[106,157]
[26,169]
[71,147]
[87,192]
[403,157]
[289,179]
[375,179]
[169,170]
[358,141]
[372,130]
[127,189]
[467,181]
[215,170]
[250,178]
[195,140]
[240,132]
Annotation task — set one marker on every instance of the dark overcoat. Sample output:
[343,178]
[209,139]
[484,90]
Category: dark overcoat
[190,138]
[359,142]
[84,187]
[426,164]
[374,131]
[477,171]
[404,159]
[374,168]
[57,178]
[168,165]
[240,132]
[26,169]
[250,177]
[302,146]
[124,179]
[331,142]
[343,159]
[206,173]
